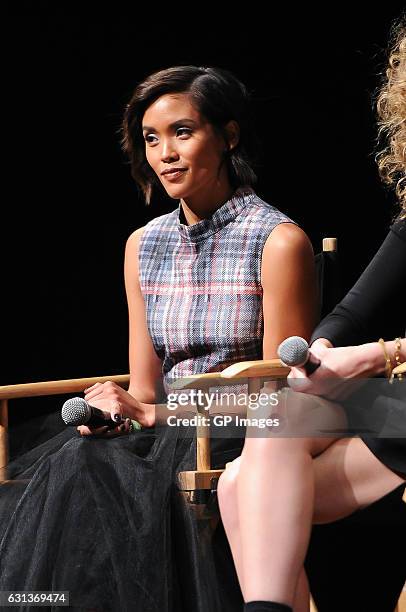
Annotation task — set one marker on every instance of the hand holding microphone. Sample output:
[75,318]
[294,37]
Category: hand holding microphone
[107,417]
[339,366]
[294,352]
[77,411]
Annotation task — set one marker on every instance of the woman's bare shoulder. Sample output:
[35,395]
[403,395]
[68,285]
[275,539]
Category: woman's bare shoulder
[287,239]
[135,237]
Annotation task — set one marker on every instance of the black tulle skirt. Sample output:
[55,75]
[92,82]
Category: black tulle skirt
[105,521]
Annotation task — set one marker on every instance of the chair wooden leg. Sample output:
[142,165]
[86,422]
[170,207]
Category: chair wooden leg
[201,478]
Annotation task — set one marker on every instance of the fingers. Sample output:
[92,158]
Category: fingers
[122,429]
[84,430]
[297,373]
[298,381]
[105,431]
[318,349]
[96,384]
[88,389]
[93,391]
[322,342]
[108,391]
[116,413]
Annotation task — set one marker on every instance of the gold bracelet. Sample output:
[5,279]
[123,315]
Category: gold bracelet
[388,363]
[396,371]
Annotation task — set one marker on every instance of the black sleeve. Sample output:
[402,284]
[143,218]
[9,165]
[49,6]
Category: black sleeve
[379,292]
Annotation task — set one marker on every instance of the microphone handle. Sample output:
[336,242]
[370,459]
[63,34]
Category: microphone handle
[311,365]
[97,419]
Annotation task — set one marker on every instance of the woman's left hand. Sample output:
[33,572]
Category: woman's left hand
[117,405]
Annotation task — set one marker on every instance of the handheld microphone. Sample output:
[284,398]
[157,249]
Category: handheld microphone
[294,351]
[76,411]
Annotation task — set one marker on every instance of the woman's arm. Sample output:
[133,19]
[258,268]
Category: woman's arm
[290,298]
[145,366]
[338,366]
[379,291]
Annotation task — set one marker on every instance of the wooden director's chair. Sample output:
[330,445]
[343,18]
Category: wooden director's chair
[251,373]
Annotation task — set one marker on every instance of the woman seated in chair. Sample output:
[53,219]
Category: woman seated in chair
[207,285]
[270,496]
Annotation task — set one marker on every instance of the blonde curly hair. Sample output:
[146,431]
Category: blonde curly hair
[391,107]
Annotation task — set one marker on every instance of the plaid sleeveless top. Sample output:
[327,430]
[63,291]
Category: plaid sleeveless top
[202,285]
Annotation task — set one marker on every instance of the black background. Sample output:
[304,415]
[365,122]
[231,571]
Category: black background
[70,202]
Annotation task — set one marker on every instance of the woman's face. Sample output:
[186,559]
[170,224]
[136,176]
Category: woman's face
[182,148]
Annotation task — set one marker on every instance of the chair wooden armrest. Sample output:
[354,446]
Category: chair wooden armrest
[50,387]
[252,373]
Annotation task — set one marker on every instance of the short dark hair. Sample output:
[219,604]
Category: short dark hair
[217,94]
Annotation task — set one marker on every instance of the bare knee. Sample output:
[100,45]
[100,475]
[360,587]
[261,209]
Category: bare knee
[267,449]
[227,491]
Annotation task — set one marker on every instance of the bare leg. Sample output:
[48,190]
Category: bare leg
[347,477]
[227,495]
[275,525]
[280,468]
[301,601]
[227,498]
[283,485]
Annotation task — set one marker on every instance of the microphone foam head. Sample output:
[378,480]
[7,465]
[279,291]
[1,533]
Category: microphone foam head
[293,351]
[76,411]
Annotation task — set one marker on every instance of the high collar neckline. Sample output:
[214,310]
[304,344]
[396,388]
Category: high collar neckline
[220,218]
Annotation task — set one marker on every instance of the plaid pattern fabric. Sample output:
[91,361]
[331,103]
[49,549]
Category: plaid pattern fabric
[201,285]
